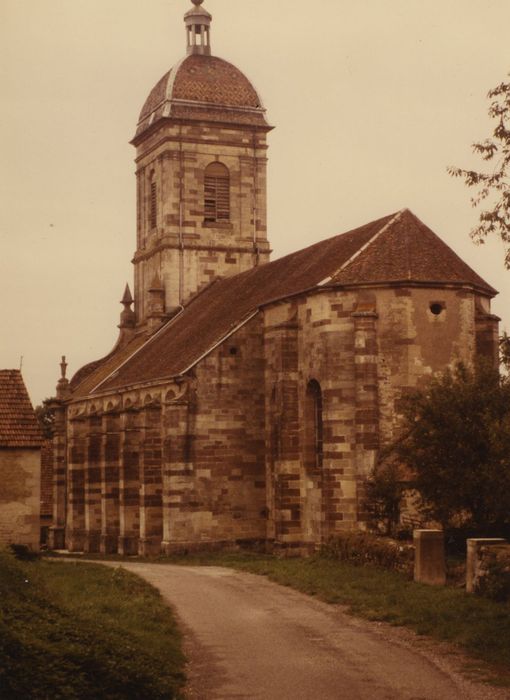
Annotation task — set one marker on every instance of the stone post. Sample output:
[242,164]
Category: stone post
[474,546]
[429,558]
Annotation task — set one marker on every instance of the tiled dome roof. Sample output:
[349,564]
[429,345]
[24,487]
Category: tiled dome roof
[203,88]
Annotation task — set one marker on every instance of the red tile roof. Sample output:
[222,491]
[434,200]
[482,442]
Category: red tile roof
[397,248]
[18,424]
[199,82]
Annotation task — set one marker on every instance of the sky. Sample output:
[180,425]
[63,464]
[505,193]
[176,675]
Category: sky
[371,101]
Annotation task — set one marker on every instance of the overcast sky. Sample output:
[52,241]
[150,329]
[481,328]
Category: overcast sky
[371,100]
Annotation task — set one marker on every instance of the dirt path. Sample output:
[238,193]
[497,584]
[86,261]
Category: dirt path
[249,638]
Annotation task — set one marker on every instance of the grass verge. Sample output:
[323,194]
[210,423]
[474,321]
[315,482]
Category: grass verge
[74,631]
[478,626]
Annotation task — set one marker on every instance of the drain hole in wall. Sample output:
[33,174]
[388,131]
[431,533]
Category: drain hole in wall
[436,308]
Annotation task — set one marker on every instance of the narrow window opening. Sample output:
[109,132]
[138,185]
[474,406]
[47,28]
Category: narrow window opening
[313,433]
[216,193]
[154,205]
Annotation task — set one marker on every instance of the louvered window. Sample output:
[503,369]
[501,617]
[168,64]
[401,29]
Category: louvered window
[216,193]
[154,205]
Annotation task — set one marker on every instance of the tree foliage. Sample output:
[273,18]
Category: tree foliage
[384,493]
[46,417]
[456,443]
[493,188]
[504,351]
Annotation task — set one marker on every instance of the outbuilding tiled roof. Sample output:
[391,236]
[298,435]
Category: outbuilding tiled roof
[395,249]
[18,424]
[203,87]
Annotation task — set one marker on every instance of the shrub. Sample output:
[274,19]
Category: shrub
[362,548]
[494,579]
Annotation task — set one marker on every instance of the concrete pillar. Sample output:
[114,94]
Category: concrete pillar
[429,558]
[473,559]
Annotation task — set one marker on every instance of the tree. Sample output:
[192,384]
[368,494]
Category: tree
[384,494]
[504,351]
[456,443]
[46,417]
[493,187]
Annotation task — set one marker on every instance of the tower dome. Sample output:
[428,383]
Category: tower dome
[202,87]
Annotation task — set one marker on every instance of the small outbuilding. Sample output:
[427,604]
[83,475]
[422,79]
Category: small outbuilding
[20,463]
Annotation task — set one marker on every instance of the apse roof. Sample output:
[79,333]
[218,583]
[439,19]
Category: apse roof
[18,424]
[395,249]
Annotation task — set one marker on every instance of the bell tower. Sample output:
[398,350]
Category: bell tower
[201,156]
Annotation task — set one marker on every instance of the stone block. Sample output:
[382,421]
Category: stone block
[429,562]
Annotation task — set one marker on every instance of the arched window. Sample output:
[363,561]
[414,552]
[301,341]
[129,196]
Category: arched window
[216,193]
[312,452]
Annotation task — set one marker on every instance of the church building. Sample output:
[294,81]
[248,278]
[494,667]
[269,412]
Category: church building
[246,401]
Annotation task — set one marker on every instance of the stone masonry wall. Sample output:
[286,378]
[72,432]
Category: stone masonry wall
[20,478]
[182,249]
[217,487]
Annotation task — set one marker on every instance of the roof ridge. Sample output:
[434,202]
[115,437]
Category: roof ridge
[360,250]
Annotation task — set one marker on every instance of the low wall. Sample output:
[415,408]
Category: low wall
[489,569]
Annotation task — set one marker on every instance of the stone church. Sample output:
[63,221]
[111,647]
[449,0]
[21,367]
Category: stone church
[246,400]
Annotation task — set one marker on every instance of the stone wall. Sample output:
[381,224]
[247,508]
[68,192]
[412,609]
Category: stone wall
[183,250]
[20,478]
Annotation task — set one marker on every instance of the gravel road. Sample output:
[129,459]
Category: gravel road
[247,637]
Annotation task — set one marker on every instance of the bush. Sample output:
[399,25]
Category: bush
[494,581]
[362,548]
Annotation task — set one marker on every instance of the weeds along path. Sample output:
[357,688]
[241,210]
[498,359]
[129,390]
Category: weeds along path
[250,638]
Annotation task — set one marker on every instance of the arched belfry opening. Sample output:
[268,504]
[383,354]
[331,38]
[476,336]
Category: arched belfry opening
[216,193]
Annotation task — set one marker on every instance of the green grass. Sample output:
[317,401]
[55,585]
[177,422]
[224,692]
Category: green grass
[478,626]
[84,631]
